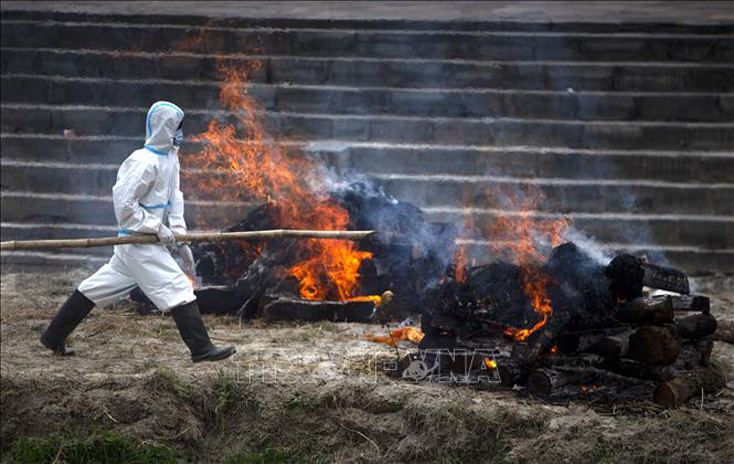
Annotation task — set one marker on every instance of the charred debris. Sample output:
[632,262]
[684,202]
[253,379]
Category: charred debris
[480,323]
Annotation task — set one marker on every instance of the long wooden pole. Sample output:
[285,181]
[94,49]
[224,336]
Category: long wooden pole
[184,238]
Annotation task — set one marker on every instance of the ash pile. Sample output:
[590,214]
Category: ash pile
[598,336]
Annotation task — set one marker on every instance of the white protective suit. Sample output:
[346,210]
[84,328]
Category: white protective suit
[145,195]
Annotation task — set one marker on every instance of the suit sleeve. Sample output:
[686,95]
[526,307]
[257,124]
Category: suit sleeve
[176,220]
[133,181]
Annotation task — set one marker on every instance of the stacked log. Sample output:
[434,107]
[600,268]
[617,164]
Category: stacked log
[665,339]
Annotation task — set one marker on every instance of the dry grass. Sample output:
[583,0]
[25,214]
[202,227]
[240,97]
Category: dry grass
[307,392]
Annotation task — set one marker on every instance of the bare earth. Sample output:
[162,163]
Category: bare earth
[314,392]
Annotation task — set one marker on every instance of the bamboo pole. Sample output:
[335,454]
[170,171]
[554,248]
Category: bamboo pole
[184,238]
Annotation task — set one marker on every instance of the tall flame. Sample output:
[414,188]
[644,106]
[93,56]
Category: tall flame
[242,161]
[531,236]
[460,274]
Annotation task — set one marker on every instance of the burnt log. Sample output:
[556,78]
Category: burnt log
[704,347]
[724,331]
[612,346]
[643,310]
[700,325]
[654,345]
[665,278]
[694,303]
[543,382]
[581,342]
[512,373]
[692,356]
[219,299]
[445,323]
[307,310]
[541,342]
[636,369]
[676,391]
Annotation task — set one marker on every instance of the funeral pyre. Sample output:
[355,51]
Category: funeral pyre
[602,332]
[544,313]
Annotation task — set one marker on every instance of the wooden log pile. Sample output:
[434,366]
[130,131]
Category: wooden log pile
[666,339]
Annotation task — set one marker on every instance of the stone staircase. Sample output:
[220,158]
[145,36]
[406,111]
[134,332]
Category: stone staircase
[627,128]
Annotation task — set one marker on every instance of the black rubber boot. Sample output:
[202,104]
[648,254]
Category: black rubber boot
[72,312]
[193,332]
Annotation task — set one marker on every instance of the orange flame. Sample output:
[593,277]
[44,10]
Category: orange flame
[411,334]
[242,161]
[461,262]
[530,235]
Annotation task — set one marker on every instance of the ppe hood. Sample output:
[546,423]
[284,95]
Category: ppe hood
[160,126]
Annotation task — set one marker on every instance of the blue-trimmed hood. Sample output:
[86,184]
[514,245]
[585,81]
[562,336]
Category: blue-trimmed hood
[160,126]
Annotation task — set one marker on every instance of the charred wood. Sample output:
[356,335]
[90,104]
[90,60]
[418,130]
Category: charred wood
[691,303]
[445,322]
[665,278]
[218,299]
[543,382]
[645,310]
[700,325]
[307,310]
[692,356]
[636,369]
[654,345]
[513,373]
[651,344]
[704,347]
[685,385]
[612,346]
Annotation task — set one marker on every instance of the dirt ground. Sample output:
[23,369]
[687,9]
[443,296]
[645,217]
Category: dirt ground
[313,393]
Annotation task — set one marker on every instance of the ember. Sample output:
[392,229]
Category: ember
[411,334]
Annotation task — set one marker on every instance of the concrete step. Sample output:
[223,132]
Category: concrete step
[648,167]
[88,120]
[567,197]
[62,208]
[626,229]
[713,233]
[304,41]
[408,73]
[523,162]
[562,195]
[461,103]
[519,162]
[377,22]
[46,259]
[357,20]
[40,231]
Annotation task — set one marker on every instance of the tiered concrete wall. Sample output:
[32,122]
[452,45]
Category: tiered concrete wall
[627,128]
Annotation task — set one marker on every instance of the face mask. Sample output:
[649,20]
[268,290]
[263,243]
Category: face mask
[178,138]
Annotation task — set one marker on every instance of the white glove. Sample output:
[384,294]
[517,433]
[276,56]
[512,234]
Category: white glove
[188,259]
[165,236]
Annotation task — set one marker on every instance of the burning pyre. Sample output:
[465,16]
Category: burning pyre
[550,315]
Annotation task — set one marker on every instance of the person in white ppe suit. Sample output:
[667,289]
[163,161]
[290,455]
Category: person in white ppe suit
[145,195]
